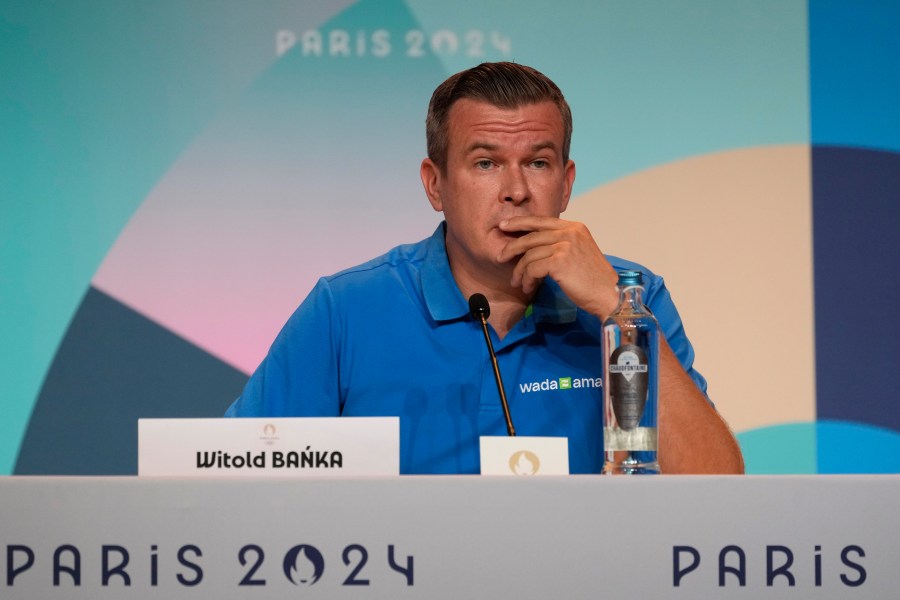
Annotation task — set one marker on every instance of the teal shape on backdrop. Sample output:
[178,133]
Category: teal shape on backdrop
[96,102]
[650,84]
[824,447]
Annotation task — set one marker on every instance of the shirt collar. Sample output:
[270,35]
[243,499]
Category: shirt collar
[442,296]
[446,303]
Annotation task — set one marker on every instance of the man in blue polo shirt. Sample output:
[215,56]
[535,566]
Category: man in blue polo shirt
[394,336]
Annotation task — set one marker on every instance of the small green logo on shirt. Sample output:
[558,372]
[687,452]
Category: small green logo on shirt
[565,383]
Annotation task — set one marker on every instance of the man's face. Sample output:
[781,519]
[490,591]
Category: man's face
[501,163]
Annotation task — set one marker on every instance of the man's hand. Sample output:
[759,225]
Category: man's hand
[565,251]
[697,440]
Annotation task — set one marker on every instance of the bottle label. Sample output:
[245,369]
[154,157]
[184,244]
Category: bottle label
[628,379]
[636,440]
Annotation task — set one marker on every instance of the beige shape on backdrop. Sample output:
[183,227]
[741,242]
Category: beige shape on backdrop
[731,233]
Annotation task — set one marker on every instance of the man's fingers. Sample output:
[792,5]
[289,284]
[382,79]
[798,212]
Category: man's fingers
[532,223]
[565,251]
[534,273]
[526,267]
[528,242]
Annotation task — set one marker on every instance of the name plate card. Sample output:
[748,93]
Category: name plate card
[282,447]
[523,455]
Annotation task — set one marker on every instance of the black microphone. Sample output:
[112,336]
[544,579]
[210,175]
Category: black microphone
[480,311]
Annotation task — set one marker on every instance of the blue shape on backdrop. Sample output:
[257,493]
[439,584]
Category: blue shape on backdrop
[854,87]
[845,447]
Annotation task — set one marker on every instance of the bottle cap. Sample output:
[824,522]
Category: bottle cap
[630,278]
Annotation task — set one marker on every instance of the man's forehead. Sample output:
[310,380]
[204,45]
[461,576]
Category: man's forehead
[477,145]
[472,119]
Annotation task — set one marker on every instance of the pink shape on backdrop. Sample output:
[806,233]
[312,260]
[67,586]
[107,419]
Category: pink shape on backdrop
[222,256]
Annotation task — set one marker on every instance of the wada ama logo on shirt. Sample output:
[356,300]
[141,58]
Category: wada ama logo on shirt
[562,383]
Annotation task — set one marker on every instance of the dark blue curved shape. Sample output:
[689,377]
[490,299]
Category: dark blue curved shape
[856,214]
[115,366]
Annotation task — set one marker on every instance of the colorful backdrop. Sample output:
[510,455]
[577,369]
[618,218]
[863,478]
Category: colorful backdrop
[174,176]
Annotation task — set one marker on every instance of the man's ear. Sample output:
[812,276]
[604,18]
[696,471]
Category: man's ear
[568,182]
[431,180]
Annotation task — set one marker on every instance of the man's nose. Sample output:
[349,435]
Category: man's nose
[515,186]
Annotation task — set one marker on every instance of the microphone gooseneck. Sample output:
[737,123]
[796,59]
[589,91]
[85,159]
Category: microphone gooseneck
[480,311]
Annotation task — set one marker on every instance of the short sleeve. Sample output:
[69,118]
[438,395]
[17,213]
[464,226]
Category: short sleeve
[659,301]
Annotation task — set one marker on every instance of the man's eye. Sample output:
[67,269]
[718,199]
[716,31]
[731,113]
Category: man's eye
[483,164]
[540,163]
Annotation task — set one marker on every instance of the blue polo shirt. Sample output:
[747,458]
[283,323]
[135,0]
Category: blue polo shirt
[393,337]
